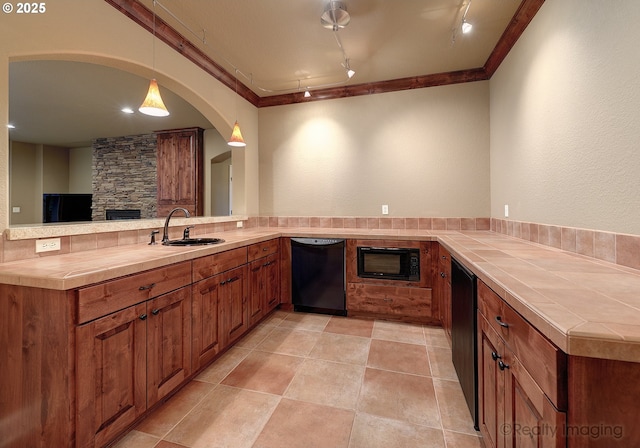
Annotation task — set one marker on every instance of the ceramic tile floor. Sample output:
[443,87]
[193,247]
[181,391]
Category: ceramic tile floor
[316,381]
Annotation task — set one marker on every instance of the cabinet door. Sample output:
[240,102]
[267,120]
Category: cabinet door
[111,375]
[233,296]
[256,291]
[272,283]
[169,343]
[531,420]
[490,386]
[206,312]
[179,169]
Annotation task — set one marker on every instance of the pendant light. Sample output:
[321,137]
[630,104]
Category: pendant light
[236,136]
[153,104]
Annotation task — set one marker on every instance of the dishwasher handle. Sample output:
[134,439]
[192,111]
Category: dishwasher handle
[317,241]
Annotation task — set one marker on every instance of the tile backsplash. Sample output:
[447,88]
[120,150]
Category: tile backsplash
[621,249]
[350,222]
[618,248]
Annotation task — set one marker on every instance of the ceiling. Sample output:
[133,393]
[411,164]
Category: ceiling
[68,104]
[276,48]
[277,45]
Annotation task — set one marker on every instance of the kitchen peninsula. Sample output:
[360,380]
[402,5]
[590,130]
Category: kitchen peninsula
[582,307]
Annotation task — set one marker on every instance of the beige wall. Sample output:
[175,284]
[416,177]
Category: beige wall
[26,184]
[423,152]
[55,174]
[80,160]
[565,132]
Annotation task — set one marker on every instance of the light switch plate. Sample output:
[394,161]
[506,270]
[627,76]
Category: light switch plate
[385,209]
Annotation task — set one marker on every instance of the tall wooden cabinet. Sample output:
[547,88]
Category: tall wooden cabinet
[180,171]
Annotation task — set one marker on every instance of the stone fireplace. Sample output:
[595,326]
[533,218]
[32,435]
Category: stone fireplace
[124,175]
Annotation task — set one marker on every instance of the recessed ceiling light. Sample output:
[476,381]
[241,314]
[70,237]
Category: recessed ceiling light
[10,126]
[127,110]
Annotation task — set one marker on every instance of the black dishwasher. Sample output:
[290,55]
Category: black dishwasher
[318,275]
[464,333]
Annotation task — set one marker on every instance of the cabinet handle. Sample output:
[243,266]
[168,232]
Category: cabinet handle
[233,279]
[502,365]
[264,249]
[155,312]
[223,282]
[502,324]
[143,316]
[443,275]
[444,257]
[495,356]
[144,288]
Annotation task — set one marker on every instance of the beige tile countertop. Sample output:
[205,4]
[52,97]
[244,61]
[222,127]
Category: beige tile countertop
[587,307]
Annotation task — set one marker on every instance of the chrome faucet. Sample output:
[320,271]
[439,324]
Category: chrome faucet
[165,235]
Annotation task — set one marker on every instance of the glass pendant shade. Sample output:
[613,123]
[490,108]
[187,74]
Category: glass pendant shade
[236,137]
[153,104]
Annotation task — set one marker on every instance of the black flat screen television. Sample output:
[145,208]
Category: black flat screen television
[66,207]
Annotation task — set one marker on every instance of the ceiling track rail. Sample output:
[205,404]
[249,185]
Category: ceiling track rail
[143,16]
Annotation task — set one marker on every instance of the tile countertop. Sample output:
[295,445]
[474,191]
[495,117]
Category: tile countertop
[585,306]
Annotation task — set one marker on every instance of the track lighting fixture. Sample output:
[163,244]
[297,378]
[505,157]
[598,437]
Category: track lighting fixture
[335,16]
[466,26]
[350,71]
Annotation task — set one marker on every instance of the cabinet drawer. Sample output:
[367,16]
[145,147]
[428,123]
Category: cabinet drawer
[544,361]
[105,298]
[263,249]
[386,300]
[205,267]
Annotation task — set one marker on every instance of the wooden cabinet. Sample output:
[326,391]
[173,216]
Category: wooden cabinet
[127,361]
[409,301]
[213,300]
[521,379]
[264,274]
[234,318]
[168,343]
[180,171]
[443,288]
[206,326]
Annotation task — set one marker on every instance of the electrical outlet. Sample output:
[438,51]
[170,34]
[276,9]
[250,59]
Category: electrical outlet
[239,224]
[506,210]
[385,209]
[47,245]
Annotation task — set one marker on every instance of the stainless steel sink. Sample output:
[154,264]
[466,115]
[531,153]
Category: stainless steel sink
[193,242]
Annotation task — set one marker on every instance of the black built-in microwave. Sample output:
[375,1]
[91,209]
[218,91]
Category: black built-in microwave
[390,263]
